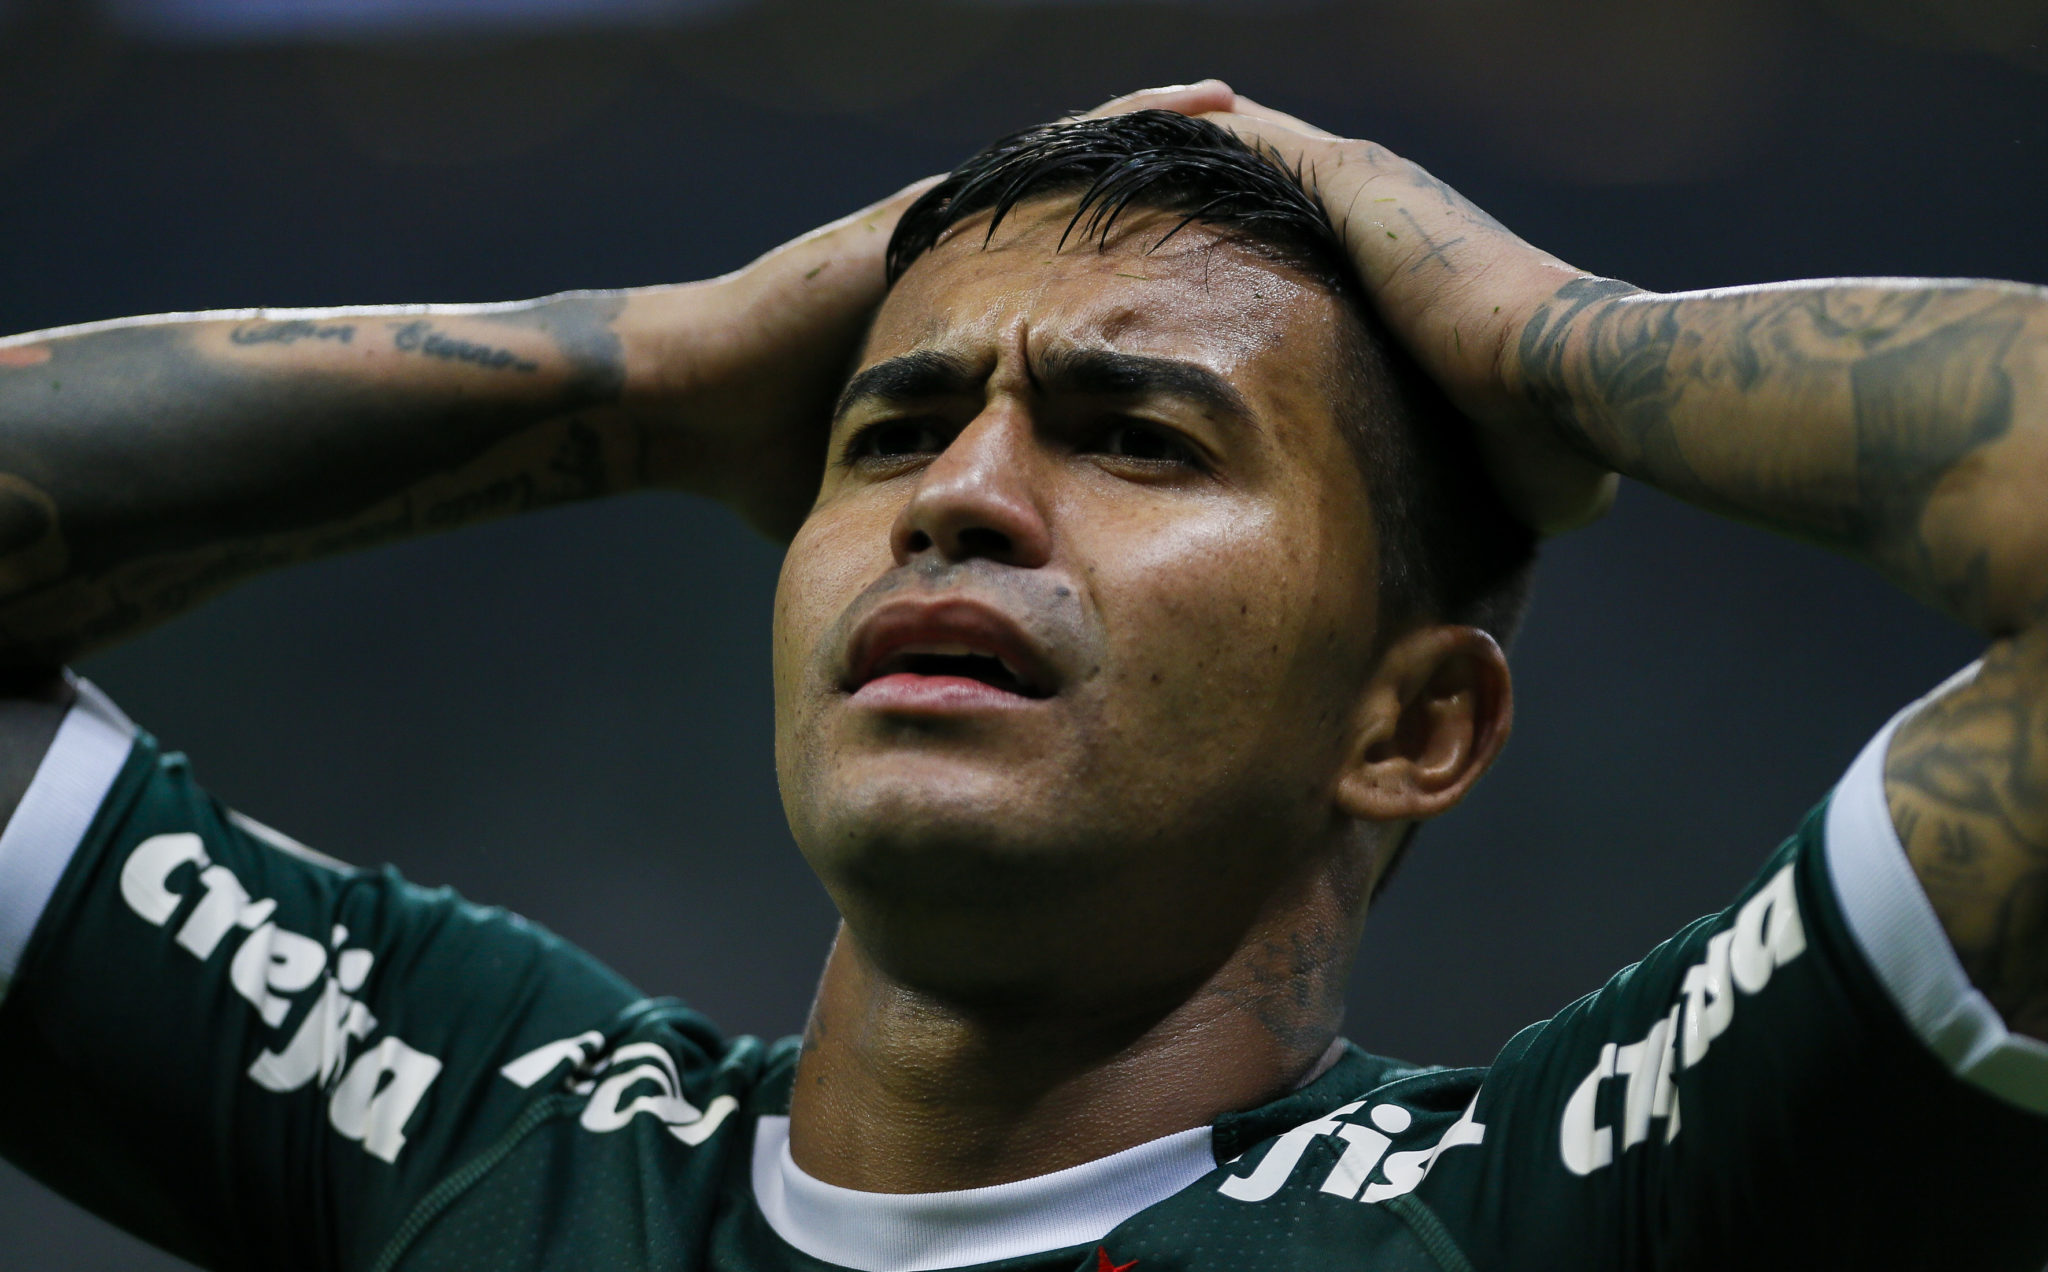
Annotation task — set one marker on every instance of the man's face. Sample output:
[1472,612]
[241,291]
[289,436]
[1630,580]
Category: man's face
[1083,610]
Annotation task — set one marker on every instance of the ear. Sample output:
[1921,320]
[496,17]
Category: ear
[1431,719]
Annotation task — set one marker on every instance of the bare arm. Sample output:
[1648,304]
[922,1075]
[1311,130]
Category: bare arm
[1905,423]
[145,464]
[1901,421]
[148,463]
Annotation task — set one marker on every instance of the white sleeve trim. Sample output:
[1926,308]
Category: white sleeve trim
[91,745]
[1895,925]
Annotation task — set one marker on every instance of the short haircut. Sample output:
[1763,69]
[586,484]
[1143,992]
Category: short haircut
[1449,550]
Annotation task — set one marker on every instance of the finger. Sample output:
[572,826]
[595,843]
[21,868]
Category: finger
[1249,109]
[1188,99]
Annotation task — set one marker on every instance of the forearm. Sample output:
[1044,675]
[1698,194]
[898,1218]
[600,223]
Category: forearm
[147,463]
[1905,423]
[1902,421]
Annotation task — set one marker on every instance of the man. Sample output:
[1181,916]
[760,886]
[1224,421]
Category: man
[1146,603]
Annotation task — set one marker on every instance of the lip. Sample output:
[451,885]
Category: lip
[911,627]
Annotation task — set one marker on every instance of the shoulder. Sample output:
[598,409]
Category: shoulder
[632,1142]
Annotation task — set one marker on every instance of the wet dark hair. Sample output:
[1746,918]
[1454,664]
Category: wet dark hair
[1450,551]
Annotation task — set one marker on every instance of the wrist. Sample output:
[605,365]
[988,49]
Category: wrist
[660,333]
[1545,347]
[1538,449]
[1472,334]
[665,338]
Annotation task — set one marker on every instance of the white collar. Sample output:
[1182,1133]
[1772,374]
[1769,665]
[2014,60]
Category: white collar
[921,1232]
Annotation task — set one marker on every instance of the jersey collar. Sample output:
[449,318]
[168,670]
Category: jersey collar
[919,1232]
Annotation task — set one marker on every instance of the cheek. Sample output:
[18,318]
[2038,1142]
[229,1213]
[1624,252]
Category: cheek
[1242,638]
[1213,616]
[827,564]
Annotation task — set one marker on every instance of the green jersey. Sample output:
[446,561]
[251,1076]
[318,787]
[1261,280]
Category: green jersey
[259,1058]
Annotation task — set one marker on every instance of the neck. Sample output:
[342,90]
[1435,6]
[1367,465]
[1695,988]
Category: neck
[900,1090]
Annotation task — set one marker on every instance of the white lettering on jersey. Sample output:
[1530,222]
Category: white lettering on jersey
[1766,935]
[225,907]
[376,1099]
[1405,1171]
[641,1068]
[1709,999]
[1365,1148]
[1587,1147]
[273,963]
[317,1050]
[1281,1159]
[371,1100]
[543,1060]
[146,875]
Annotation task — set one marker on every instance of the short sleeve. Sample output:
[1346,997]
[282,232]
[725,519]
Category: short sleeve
[1806,1079]
[235,1047]
[1894,925]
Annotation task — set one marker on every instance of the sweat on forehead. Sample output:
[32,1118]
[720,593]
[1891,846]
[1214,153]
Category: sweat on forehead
[1152,160]
[1198,298]
[1449,547]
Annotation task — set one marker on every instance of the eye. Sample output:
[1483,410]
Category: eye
[1146,443]
[894,439]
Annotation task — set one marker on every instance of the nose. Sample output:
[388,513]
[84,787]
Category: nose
[979,497]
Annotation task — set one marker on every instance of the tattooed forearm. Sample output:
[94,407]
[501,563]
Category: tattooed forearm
[1871,417]
[1437,251]
[1905,423]
[291,332]
[146,465]
[1967,780]
[1423,179]
[420,337]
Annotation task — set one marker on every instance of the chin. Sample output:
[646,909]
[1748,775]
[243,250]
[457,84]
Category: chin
[929,832]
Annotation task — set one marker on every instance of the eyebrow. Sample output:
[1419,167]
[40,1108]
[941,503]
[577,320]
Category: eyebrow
[928,374]
[911,377]
[1108,373]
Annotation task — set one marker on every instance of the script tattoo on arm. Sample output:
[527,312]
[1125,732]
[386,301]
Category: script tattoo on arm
[146,465]
[1902,422]
[419,336]
[291,332]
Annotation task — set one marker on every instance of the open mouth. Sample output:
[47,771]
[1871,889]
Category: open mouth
[961,663]
[923,654]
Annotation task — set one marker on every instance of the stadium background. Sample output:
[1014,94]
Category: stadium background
[569,715]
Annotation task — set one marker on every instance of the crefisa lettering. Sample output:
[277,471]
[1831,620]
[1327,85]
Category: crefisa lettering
[371,1098]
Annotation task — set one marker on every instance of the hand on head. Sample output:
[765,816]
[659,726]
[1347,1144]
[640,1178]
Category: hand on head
[740,373]
[1457,288]
[1453,285]
[1200,97]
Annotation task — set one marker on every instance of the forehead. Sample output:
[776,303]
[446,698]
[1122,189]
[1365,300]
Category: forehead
[1197,297]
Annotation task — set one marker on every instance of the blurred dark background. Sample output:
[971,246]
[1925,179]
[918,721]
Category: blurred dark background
[570,715]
